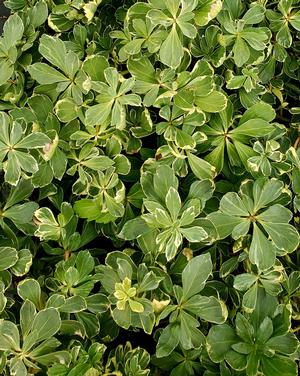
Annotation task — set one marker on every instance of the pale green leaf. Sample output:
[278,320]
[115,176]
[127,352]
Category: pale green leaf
[195,275]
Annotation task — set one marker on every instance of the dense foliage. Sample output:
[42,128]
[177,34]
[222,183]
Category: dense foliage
[150,188]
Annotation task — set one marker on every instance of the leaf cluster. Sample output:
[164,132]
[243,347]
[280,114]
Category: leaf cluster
[150,188]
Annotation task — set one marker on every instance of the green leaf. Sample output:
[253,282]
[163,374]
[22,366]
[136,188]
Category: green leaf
[241,229]
[266,191]
[244,329]
[48,227]
[136,306]
[259,110]
[12,169]
[253,128]
[253,363]
[286,344]
[122,318]
[142,70]
[171,50]
[216,157]
[44,74]
[73,304]
[45,324]
[201,169]
[27,312]
[19,193]
[219,341]
[262,252]
[275,214]
[122,164]
[89,209]
[195,274]
[292,283]
[84,264]
[17,367]
[13,30]
[284,37]
[295,20]
[207,308]
[190,336]
[95,66]
[280,365]
[9,336]
[240,51]
[214,102]
[97,303]
[254,15]
[8,257]
[235,360]
[255,38]
[243,282]
[224,223]
[54,50]
[134,228]
[66,110]
[6,70]
[250,298]
[168,341]
[208,10]
[98,114]
[23,264]
[265,330]
[43,176]
[99,163]
[232,204]
[26,161]
[30,289]
[284,236]
[21,213]
[39,13]
[33,141]
[194,234]
[163,180]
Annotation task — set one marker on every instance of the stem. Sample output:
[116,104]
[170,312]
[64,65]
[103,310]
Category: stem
[67,254]
[296,144]
[283,118]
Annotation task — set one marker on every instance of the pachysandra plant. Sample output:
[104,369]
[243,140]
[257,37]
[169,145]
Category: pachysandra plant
[129,302]
[257,343]
[230,143]
[183,326]
[256,206]
[173,219]
[149,187]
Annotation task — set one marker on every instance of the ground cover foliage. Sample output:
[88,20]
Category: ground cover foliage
[150,188]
